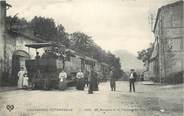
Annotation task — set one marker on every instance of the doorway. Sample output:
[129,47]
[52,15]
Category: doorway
[18,60]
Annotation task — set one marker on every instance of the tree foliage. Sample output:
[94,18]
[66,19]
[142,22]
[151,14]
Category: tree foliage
[46,29]
[145,54]
[16,24]
[81,42]
[84,44]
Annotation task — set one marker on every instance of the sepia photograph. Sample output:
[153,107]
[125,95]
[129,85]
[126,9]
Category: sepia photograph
[91,57]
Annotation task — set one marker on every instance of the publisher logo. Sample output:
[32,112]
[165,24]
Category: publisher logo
[9,107]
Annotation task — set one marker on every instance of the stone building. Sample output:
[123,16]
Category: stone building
[168,53]
[13,51]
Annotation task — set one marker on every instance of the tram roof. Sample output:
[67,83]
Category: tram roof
[41,45]
[103,63]
[90,59]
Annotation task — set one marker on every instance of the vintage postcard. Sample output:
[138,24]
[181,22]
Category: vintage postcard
[91,57]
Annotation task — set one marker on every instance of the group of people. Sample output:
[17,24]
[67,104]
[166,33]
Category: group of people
[89,79]
[22,79]
[49,54]
[132,79]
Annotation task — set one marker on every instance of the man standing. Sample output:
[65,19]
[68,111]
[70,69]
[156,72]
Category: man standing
[86,77]
[112,80]
[132,79]
[95,76]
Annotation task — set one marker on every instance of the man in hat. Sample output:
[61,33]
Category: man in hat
[112,80]
[132,78]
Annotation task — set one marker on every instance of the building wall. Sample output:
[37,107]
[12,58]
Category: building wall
[15,43]
[22,41]
[10,48]
[9,44]
[173,35]
[2,35]
[169,30]
[2,27]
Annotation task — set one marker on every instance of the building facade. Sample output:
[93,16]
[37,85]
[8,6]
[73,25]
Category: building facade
[168,53]
[13,51]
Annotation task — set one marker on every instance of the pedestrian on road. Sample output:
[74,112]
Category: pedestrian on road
[86,77]
[95,75]
[92,82]
[112,80]
[80,80]
[132,79]
[21,77]
[62,79]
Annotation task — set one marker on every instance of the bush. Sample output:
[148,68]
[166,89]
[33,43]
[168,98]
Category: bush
[175,78]
[155,79]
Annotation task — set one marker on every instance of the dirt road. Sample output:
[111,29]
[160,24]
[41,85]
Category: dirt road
[148,100]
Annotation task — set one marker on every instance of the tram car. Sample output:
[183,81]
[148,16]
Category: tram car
[72,64]
[43,71]
[105,70]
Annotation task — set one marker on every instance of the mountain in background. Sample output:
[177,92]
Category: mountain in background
[129,60]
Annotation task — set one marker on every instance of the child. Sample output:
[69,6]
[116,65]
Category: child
[25,81]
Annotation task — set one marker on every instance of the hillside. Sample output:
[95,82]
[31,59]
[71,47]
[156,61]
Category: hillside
[128,60]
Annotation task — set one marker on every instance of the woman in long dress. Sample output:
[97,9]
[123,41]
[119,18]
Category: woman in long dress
[21,76]
[93,86]
[80,80]
[62,80]
[25,81]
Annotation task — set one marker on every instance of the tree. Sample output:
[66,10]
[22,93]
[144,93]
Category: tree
[145,54]
[114,61]
[44,28]
[62,36]
[16,24]
[81,43]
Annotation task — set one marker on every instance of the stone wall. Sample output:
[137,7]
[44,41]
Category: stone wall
[169,30]
[2,35]
[17,43]
[172,31]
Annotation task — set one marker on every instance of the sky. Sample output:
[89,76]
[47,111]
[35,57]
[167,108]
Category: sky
[113,24]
